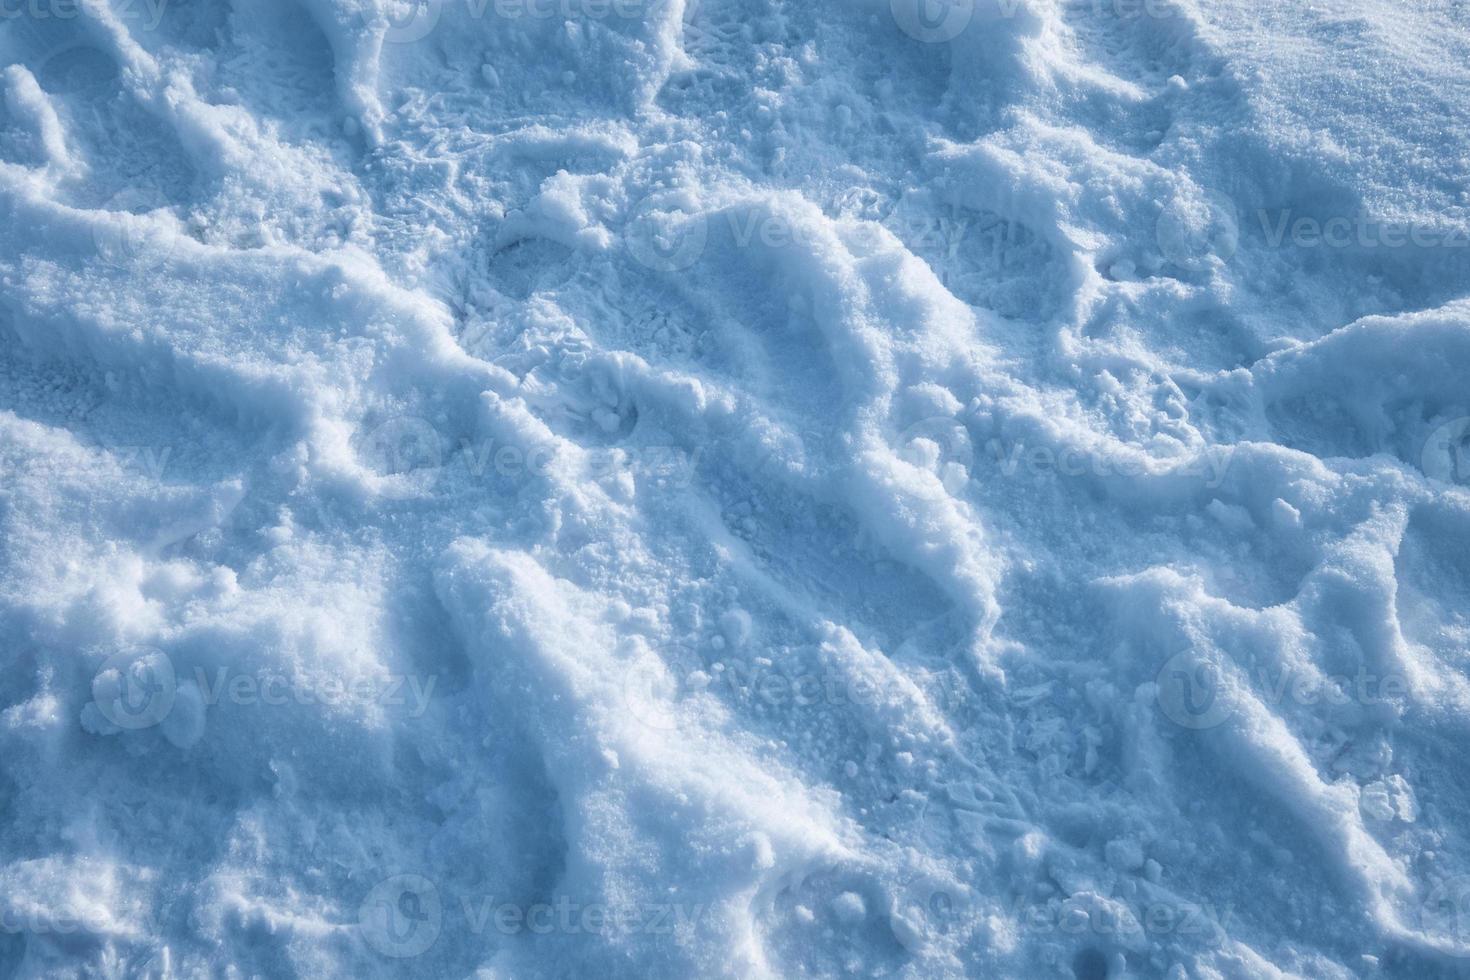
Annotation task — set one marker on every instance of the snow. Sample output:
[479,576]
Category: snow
[669,488]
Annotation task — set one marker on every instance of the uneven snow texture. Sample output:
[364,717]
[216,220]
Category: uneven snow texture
[750,488]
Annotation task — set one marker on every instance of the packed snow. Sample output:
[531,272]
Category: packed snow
[735,488]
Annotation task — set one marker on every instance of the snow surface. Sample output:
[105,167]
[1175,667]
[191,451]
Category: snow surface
[752,488]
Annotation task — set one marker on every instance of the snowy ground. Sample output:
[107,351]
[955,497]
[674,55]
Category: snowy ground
[752,488]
